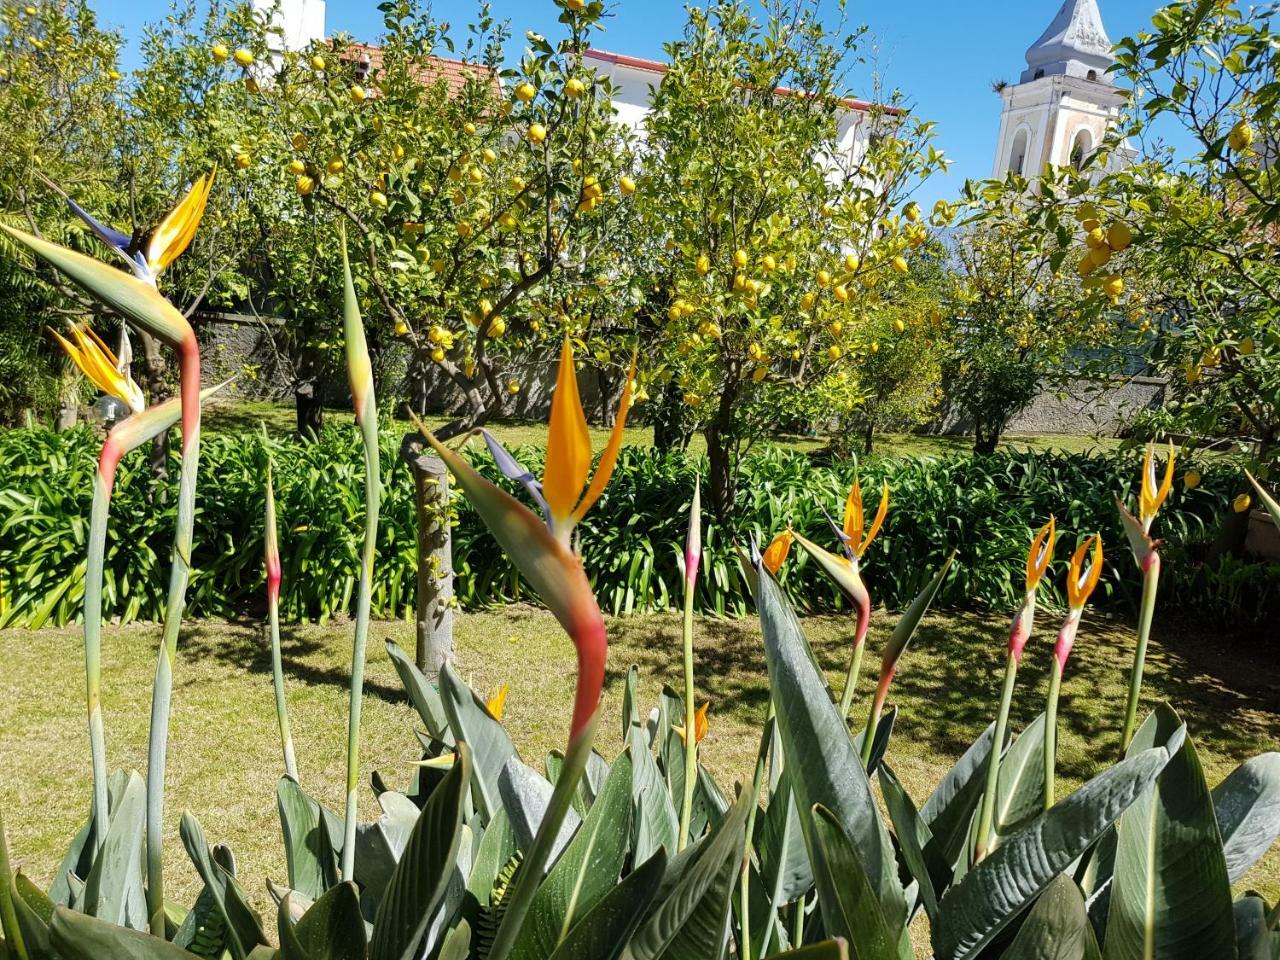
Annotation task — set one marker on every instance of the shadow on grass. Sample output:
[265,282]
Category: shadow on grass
[245,647]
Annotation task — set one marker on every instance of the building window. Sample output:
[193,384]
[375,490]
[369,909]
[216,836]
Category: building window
[1039,74]
[1081,149]
[1093,75]
[1018,156]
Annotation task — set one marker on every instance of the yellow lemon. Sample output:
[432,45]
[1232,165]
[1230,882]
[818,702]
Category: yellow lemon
[537,133]
[1095,238]
[402,328]
[304,185]
[875,347]
[317,63]
[573,87]
[833,352]
[1241,136]
[336,165]
[575,6]
[1242,503]
[841,292]
[438,354]
[824,278]
[243,57]
[627,185]
[358,93]
[1114,286]
[497,327]
[1191,480]
[220,53]
[297,167]
[242,161]
[1119,236]
[739,258]
[692,400]
[912,211]
[513,387]
[299,141]
[703,266]
[1100,256]
[900,264]
[378,198]
[851,263]
[526,91]
[899,326]
[768,264]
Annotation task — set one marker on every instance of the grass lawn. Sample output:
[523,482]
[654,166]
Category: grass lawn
[225,758]
[244,416]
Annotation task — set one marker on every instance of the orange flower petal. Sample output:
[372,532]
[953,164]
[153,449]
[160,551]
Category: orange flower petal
[1081,583]
[854,520]
[881,512]
[775,555]
[608,459]
[1041,553]
[568,445]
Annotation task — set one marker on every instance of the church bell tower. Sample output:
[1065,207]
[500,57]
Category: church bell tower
[1061,108]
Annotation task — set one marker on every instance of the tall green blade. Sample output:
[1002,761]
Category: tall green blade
[1056,928]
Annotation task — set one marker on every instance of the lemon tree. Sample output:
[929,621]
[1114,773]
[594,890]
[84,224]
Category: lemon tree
[477,205]
[776,240]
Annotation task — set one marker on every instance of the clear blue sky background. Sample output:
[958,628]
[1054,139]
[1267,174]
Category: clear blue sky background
[943,54]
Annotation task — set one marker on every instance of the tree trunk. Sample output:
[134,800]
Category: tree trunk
[433,620]
[985,442]
[1235,526]
[722,470]
[308,405]
[669,429]
[868,438]
[68,401]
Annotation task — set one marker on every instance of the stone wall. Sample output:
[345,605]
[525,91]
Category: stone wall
[1080,408]
[242,346]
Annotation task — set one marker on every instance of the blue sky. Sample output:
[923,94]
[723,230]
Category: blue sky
[944,54]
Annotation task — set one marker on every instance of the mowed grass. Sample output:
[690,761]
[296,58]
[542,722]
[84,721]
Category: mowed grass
[242,417]
[225,754]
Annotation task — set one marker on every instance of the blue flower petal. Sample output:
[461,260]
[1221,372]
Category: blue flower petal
[107,235]
[513,469]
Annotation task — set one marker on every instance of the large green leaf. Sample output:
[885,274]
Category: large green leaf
[380,845]
[784,862]
[994,892]
[949,810]
[656,822]
[491,748]
[307,852]
[422,694]
[1170,896]
[77,936]
[1247,805]
[826,767]
[526,795]
[1056,928]
[113,889]
[424,869]
[880,743]
[850,907]
[331,929]
[585,872]
[692,910]
[1020,790]
[243,926]
[605,930]
[925,867]
[496,848]
[34,912]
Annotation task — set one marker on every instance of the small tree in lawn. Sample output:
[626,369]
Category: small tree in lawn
[778,239]
[1041,297]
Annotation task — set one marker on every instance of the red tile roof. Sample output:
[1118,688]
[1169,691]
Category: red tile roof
[456,73]
[658,67]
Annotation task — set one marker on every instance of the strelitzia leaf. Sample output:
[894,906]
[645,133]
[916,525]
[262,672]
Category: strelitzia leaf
[1170,894]
[850,906]
[113,889]
[925,867]
[422,694]
[825,766]
[308,855]
[949,810]
[332,928]
[606,929]
[1056,928]
[424,869]
[998,889]
[491,747]
[1247,805]
[77,936]
[1254,938]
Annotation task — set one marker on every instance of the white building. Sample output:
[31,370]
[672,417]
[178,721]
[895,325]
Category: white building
[635,78]
[1063,105]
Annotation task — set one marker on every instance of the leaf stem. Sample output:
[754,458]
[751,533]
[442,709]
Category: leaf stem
[690,719]
[1051,734]
[1150,585]
[987,815]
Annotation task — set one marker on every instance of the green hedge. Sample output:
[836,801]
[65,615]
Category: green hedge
[984,508]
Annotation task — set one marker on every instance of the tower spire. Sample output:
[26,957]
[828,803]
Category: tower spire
[1075,45]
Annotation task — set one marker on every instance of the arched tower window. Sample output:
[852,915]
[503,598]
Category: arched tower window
[1081,149]
[1018,155]
[1093,75]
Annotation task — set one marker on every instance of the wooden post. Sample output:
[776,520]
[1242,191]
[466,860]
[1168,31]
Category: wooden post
[433,620]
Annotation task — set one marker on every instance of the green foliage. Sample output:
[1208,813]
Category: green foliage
[632,542]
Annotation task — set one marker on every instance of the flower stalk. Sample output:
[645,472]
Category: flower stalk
[1039,557]
[360,374]
[692,560]
[271,560]
[1080,584]
[1146,555]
